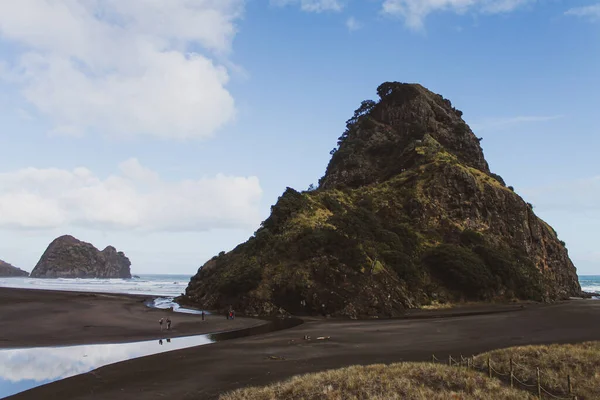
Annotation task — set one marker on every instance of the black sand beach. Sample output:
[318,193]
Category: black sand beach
[206,371]
[31,318]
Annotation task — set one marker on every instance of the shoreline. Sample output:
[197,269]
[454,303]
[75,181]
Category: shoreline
[41,317]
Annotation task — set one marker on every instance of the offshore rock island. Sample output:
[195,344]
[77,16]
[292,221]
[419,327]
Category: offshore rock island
[9,270]
[68,257]
[407,214]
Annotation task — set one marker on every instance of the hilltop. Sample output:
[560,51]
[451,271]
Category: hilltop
[407,214]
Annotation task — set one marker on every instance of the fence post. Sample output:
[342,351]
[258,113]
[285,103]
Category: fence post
[512,376]
[539,384]
[489,367]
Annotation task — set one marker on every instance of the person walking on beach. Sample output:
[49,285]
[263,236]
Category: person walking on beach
[168,323]
[161,323]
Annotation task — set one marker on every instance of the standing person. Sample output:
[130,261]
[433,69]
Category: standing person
[168,323]
[202,315]
[161,322]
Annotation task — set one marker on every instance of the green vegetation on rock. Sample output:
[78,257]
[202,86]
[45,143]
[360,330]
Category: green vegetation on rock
[408,214]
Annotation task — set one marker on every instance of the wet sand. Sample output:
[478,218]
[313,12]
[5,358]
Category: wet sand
[207,371]
[32,318]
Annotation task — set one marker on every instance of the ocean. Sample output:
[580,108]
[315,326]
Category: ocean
[167,286]
[158,285]
[590,283]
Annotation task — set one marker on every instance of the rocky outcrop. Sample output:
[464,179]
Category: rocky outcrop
[8,270]
[67,257]
[408,214]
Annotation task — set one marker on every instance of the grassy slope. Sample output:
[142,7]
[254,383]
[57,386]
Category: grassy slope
[433,381]
[581,361]
[378,382]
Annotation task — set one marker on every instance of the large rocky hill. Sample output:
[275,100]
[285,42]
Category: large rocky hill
[68,257]
[407,214]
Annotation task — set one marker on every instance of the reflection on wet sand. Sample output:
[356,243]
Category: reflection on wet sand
[22,369]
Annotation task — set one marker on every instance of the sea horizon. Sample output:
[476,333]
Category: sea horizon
[161,285]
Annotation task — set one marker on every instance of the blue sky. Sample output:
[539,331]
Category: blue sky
[168,129]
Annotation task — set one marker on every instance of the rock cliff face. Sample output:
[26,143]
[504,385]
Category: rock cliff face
[8,270]
[408,214]
[67,257]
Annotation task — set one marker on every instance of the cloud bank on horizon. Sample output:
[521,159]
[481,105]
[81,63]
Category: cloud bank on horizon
[134,199]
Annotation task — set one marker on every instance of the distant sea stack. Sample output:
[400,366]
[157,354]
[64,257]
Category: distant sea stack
[67,257]
[8,270]
[407,214]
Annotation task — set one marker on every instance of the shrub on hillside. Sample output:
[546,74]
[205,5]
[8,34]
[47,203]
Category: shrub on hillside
[460,269]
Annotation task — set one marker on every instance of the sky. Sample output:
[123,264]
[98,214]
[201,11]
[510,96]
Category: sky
[169,128]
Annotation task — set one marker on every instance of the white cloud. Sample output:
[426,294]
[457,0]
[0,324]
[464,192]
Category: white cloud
[352,24]
[499,123]
[317,6]
[414,12]
[135,198]
[592,12]
[124,67]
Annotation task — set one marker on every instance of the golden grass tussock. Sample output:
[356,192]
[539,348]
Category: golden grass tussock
[407,381]
[580,361]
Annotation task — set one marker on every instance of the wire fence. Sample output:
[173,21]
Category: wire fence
[512,377]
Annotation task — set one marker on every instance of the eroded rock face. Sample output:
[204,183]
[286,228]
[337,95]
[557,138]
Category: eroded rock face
[67,257]
[407,214]
[8,270]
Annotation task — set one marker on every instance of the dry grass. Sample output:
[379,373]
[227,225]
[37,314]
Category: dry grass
[436,305]
[581,361]
[407,381]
